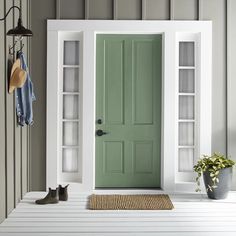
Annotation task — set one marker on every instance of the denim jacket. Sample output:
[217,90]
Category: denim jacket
[24,97]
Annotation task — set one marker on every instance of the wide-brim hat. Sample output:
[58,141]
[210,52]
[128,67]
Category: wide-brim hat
[18,76]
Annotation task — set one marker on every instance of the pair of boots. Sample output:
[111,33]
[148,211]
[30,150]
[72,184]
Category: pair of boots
[54,195]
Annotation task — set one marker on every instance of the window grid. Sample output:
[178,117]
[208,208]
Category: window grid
[70,109]
[187,105]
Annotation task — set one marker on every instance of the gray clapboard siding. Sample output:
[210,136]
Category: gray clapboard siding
[17,149]
[231,81]
[216,11]
[24,164]
[2,120]
[156,10]
[75,12]
[10,159]
[11,135]
[185,9]
[129,9]
[24,130]
[103,10]
[40,11]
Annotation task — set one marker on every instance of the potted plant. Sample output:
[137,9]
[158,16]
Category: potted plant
[217,175]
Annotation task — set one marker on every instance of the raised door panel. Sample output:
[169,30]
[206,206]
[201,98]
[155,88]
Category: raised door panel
[114,82]
[143,157]
[113,154]
[142,101]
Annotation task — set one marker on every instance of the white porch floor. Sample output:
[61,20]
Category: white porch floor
[191,216]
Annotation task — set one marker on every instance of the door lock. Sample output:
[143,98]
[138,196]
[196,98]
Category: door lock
[100,132]
[99,121]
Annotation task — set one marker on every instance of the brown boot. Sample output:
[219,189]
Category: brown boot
[63,193]
[51,197]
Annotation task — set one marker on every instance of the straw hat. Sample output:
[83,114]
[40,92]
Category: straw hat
[18,76]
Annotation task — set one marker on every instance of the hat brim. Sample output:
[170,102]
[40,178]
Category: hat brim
[11,88]
[15,65]
[17,79]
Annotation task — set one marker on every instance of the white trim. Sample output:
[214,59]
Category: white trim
[52,109]
[168,29]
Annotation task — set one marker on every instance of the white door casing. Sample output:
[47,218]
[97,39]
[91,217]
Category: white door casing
[85,31]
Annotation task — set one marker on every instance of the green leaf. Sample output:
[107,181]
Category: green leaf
[212,174]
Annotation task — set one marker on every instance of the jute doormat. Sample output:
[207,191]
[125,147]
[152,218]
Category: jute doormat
[130,202]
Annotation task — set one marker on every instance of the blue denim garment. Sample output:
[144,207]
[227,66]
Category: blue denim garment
[24,97]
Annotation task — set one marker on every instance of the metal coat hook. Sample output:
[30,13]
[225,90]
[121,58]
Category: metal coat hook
[21,47]
[12,48]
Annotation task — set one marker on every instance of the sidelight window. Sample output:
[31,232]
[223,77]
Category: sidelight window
[187,106]
[70,158]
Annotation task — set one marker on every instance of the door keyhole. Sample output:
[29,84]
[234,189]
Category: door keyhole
[99,121]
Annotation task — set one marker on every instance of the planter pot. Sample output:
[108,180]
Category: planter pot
[224,185]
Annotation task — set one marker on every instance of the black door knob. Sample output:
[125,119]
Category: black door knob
[100,132]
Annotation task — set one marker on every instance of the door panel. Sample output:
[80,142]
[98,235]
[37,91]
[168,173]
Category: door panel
[113,153]
[142,82]
[114,82]
[128,102]
[143,165]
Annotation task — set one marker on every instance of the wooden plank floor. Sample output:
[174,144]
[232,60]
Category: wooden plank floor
[193,216]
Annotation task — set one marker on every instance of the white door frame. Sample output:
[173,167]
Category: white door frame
[88,30]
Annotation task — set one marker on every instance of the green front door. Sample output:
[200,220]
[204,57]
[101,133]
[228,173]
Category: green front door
[128,109]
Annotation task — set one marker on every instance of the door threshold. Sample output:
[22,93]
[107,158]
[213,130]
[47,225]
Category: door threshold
[128,191]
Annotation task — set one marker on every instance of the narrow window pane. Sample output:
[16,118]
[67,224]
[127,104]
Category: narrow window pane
[186,157]
[71,52]
[71,107]
[186,133]
[186,107]
[71,80]
[186,53]
[186,81]
[70,160]
[70,133]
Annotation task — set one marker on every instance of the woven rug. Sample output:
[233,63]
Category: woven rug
[130,202]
